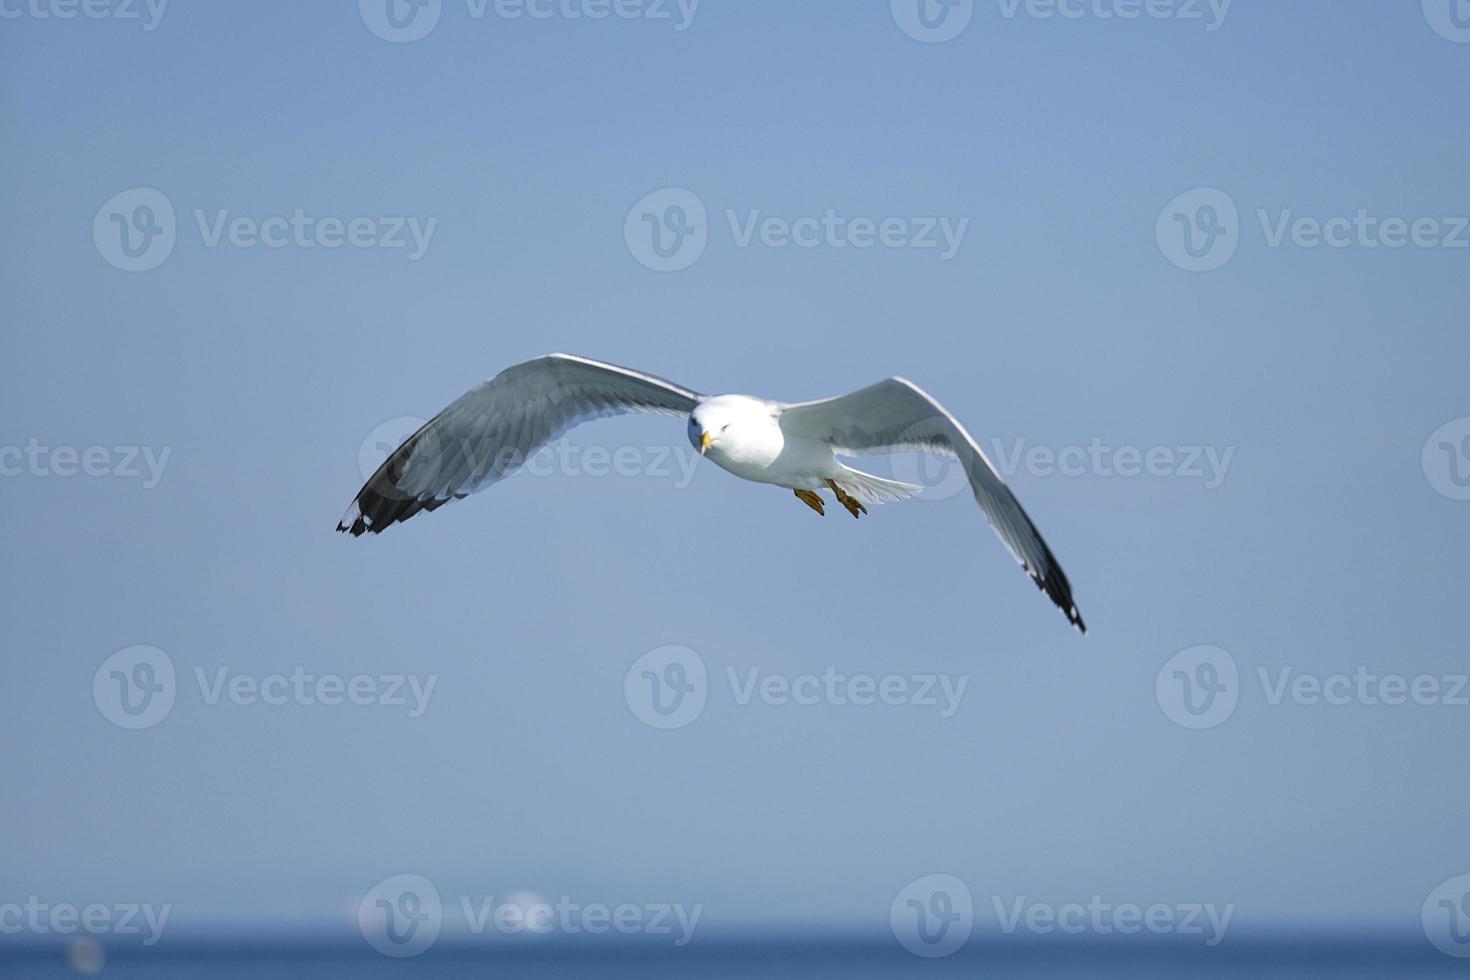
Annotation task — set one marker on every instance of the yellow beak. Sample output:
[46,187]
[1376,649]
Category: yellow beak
[704,442]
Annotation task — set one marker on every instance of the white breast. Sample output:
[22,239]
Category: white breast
[759,451]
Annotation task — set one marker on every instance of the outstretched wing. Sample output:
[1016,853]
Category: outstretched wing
[492,429]
[898,416]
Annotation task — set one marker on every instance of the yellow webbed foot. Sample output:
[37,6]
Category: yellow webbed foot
[811,500]
[854,506]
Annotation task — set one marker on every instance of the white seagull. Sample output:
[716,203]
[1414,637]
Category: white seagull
[491,430]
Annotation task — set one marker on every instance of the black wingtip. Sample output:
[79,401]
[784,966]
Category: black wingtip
[356,528]
[380,503]
[377,511]
[1059,592]
[1053,581]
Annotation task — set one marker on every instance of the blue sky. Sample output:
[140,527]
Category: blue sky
[520,150]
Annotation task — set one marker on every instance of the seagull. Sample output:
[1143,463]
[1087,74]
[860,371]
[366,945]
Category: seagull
[493,429]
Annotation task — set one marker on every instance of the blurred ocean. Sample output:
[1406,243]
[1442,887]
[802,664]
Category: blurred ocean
[1317,957]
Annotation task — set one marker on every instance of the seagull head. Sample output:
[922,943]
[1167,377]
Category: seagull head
[704,429]
[718,422]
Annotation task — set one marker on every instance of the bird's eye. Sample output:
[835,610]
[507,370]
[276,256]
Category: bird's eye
[724,427]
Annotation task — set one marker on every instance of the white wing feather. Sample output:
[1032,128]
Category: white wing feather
[490,431]
[898,416]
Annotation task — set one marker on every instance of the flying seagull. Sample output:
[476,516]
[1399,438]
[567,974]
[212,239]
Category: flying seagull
[491,431]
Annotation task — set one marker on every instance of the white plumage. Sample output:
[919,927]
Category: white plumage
[491,430]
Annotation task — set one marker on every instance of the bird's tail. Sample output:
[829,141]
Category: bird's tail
[872,489]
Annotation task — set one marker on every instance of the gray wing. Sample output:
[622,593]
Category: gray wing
[492,429]
[898,416]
